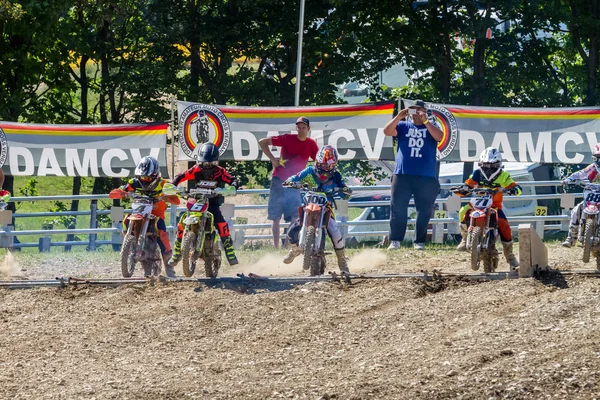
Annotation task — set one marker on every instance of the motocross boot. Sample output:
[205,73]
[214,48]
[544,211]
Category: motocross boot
[511,259]
[294,252]
[176,253]
[464,231]
[571,236]
[169,269]
[229,250]
[342,262]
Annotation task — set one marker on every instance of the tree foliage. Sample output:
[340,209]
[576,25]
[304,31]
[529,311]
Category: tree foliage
[90,61]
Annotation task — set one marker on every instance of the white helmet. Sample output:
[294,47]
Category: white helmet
[490,163]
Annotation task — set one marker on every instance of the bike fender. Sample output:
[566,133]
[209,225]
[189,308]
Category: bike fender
[477,214]
[191,220]
[313,207]
[136,217]
[591,209]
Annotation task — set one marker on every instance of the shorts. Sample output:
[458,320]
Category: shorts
[283,201]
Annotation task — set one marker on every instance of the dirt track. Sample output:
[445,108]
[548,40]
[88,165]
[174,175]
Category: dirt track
[373,340]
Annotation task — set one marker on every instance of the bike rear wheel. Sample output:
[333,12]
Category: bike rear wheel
[128,250]
[475,247]
[188,253]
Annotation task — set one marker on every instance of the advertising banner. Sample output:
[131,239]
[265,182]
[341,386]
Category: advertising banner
[355,130]
[541,135]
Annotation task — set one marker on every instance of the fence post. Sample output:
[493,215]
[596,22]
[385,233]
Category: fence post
[45,242]
[5,224]
[93,225]
[567,203]
[453,207]
[117,215]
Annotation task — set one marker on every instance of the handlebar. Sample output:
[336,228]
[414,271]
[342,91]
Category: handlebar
[478,191]
[305,187]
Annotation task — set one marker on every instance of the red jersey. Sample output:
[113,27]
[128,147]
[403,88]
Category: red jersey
[294,154]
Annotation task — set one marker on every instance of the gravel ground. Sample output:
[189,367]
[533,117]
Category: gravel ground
[384,339]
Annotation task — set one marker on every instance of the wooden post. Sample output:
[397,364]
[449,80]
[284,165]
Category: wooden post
[533,254]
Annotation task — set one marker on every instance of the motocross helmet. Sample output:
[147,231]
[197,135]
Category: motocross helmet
[326,161]
[147,173]
[207,156]
[490,163]
[596,156]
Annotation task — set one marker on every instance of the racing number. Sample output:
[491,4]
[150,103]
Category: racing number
[541,211]
[481,202]
[593,197]
[320,200]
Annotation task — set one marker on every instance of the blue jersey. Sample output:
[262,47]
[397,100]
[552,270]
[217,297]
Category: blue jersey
[416,150]
[310,176]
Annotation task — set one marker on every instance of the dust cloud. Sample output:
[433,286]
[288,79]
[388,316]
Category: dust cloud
[366,260]
[9,267]
[272,265]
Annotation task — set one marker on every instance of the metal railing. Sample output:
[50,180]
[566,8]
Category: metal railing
[440,226]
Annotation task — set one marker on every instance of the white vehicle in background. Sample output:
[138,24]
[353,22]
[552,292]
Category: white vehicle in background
[450,173]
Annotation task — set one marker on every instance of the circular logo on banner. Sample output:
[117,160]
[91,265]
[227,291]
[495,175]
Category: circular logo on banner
[201,123]
[3,148]
[447,123]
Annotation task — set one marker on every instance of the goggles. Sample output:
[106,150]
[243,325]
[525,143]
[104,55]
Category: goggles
[595,159]
[146,178]
[208,164]
[326,166]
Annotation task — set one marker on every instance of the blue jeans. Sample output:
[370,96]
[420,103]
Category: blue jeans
[425,190]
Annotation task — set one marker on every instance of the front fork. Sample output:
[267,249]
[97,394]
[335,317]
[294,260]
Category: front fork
[139,234]
[205,225]
[312,218]
[484,223]
[584,217]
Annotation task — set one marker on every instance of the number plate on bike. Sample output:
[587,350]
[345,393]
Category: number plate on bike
[142,206]
[591,193]
[315,198]
[481,202]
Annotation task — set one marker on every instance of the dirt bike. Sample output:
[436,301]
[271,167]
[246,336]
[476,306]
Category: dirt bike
[140,244]
[199,235]
[316,212]
[588,235]
[483,228]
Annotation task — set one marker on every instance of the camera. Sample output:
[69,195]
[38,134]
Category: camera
[412,111]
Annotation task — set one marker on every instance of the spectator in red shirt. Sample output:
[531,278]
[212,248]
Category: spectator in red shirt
[295,152]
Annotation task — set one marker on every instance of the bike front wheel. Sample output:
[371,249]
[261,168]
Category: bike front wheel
[188,253]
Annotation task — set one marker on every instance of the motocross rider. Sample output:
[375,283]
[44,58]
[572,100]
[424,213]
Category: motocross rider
[325,176]
[490,175]
[148,180]
[207,169]
[592,174]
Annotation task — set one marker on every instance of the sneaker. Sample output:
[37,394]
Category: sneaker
[294,252]
[394,245]
[419,246]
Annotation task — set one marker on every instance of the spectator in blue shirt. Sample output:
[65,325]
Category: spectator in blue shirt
[415,172]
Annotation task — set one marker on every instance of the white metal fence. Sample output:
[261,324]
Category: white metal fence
[448,224]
